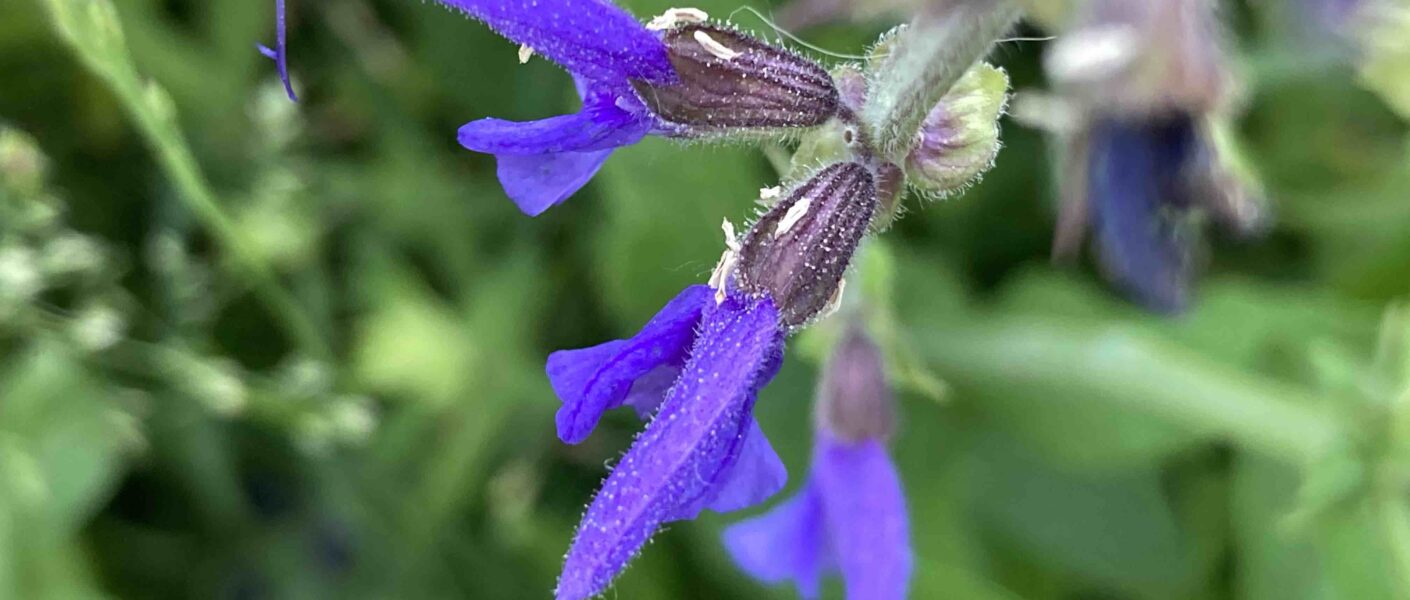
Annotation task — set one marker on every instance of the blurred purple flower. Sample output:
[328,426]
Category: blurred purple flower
[1134,183]
[850,517]
[702,450]
[1148,83]
[279,54]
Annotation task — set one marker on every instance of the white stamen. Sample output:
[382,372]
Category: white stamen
[770,193]
[720,276]
[794,214]
[731,240]
[677,16]
[835,302]
[525,53]
[713,46]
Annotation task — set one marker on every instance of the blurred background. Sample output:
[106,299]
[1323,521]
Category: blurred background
[254,349]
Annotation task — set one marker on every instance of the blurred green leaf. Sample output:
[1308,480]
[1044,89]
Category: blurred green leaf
[664,202]
[60,458]
[1130,539]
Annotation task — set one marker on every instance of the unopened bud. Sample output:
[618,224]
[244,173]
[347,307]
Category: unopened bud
[729,80]
[854,402]
[798,251]
[959,138]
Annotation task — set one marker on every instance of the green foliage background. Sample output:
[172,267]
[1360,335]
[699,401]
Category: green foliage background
[250,349]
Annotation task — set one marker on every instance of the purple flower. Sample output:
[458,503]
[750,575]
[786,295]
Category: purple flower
[1145,167]
[850,516]
[280,54]
[689,79]
[1134,174]
[695,370]
[702,449]
[686,81]
[1146,177]
[542,163]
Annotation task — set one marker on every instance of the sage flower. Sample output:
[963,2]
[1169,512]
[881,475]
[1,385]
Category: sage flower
[850,517]
[696,369]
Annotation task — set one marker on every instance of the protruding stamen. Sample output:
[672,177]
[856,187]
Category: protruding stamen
[677,16]
[713,46]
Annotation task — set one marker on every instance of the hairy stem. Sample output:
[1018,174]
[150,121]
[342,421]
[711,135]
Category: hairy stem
[925,61]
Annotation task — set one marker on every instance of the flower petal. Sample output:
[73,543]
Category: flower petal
[866,517]
[756,476]
[592,38]
[600,125]
[537,182]
[1131,169]
[693,442]
[649,391]
[786,543]
[591,381]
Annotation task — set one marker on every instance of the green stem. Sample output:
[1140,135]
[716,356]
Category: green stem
[925,60]
[180,166]
[92,29]
[1142,374]
[1395,524]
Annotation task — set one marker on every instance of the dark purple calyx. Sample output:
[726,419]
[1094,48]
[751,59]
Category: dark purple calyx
[799,250]
[729,80]
[854,397]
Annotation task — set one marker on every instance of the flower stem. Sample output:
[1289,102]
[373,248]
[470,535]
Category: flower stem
[926,59]
[93,31]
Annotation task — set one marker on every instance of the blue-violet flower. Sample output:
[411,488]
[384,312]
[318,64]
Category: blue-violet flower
[698,366]
[686,79]
[850,517]
[1144,165]
[677,77]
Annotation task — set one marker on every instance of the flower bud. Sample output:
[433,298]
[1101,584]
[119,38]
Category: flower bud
[959,138]
[854,400]
[729,80]
[798,251]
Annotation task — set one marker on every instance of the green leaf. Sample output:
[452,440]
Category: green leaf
[1088,526]
[663,203]
[1273,561]
[1385,67]
[60,458]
